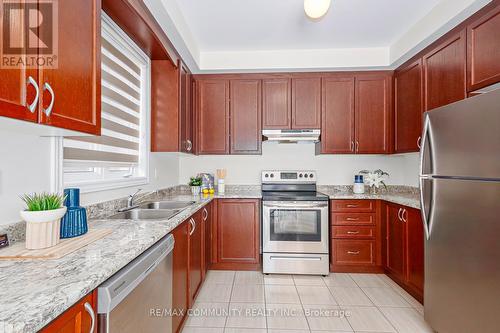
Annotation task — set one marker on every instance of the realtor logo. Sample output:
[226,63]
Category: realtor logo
[28,34]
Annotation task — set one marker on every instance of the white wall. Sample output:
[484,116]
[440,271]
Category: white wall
[331,169]
[25,167]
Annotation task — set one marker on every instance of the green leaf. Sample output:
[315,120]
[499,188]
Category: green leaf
[44,201]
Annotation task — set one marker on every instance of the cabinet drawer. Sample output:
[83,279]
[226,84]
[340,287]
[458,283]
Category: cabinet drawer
[353,252]
[353,232]
[353,205]
[353,219]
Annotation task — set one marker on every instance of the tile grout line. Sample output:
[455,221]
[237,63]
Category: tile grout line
[301,304]
[338,304]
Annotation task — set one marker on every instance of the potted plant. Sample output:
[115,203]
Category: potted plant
[43,219]
[374,179]
[195,183]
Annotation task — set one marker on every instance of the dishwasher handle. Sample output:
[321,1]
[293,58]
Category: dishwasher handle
[117,287]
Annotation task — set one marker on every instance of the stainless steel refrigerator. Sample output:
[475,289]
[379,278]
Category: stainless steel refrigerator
[460,198]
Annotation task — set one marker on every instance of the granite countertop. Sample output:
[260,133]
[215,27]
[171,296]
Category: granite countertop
[34,292]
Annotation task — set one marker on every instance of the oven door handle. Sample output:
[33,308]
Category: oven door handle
[295,258]
[295,206]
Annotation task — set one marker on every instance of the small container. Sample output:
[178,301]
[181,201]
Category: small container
[221,186]
[74,223]
[359,184]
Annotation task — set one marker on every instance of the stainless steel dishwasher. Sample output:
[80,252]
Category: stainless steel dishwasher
[139,297]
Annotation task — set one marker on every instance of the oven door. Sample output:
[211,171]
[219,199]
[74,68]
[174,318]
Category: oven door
[295,227]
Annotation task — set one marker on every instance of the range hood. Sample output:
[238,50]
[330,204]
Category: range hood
[291,136]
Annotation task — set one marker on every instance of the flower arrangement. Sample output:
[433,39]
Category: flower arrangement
[375,179]
[195,183]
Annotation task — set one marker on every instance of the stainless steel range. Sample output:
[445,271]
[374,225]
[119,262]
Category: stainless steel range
[294,224]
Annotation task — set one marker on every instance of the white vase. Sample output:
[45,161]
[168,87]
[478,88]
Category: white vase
[43,228]
[195,190]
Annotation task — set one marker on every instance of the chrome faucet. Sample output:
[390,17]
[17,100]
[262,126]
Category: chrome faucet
[130,201]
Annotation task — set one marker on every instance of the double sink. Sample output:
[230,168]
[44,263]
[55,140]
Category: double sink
[153,210]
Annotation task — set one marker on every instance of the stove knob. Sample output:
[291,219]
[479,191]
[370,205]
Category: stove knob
[266,175]
[300,175]
[272,175]
[305,175]
[311,175]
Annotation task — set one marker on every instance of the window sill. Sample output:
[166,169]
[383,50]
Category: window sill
[89,187]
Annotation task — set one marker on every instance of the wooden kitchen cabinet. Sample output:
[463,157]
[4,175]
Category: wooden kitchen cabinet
[196,252]
[409,107]
[483,51]
[186,121]
[306,103]
[76,81]
[180,267]
[212,105]
[76,319]
[405,248]
[373,114]
[238,235]
[207,237]
[337,125]
[355,244]
[246,117]
[276,103]
[444,72]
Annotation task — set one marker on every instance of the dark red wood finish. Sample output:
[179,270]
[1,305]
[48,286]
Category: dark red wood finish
[306,103]
[195,256]
[395,234]
[277,103]
[180,268]
[186,119]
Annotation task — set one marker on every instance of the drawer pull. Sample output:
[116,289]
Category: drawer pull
[353,252]
[352,218]
[353,232]
[351,206]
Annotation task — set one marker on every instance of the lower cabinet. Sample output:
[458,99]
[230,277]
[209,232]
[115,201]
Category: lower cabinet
[78,318]
[195,276]
[207,237]
[238,234]
[355,236]
[404,248]
[180,275]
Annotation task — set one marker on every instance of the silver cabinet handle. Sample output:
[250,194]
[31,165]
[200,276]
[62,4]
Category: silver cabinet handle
[357,145]
[353,252]
[419,142]
[353,232]
[48,110]
[352,218]
[205,214]
[32,106]
[399,214]
[351,206]
[193,224]
[403,215]
[189,145]
[90,311]
[352,145]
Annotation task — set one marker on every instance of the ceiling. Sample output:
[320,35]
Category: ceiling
[242,25]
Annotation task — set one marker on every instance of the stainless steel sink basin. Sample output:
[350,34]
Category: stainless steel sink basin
[167,205]
[146,214]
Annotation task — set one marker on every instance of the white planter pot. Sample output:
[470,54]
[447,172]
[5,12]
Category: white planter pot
[195,190]
[43,227]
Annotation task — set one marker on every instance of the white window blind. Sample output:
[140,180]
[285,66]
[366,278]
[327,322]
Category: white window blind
[121,151]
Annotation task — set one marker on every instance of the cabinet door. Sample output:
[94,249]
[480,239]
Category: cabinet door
[306,103]
[246,114]
[16,92]
[185,111]
[207,237]
[238,231]
[395,233]
[180,274]
[77,80]
[277,104]
[483,51]
[213,116]
[337,126]
[444,75]
[372,114]
[77,318]
[414,249]
[408,83]
[195,256]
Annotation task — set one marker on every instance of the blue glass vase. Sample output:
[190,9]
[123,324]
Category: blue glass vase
[74,223]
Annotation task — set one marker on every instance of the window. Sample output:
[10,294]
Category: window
[119,157]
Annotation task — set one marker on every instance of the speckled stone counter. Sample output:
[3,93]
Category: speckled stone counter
[402,195]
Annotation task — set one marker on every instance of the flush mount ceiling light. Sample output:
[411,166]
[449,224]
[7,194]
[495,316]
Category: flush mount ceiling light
[316,9]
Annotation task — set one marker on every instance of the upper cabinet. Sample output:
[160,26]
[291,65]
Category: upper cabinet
[306,103]
[68,94]
[186,132]
[373,114]
[337,125]
[444,68]
[212,106]
[246,116]
[483,51]
[277,103]
[408,100]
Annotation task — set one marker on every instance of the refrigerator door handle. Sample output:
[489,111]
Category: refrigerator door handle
[425,149]
[424,194]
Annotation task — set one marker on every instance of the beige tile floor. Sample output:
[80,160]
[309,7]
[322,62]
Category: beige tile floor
[250,302]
